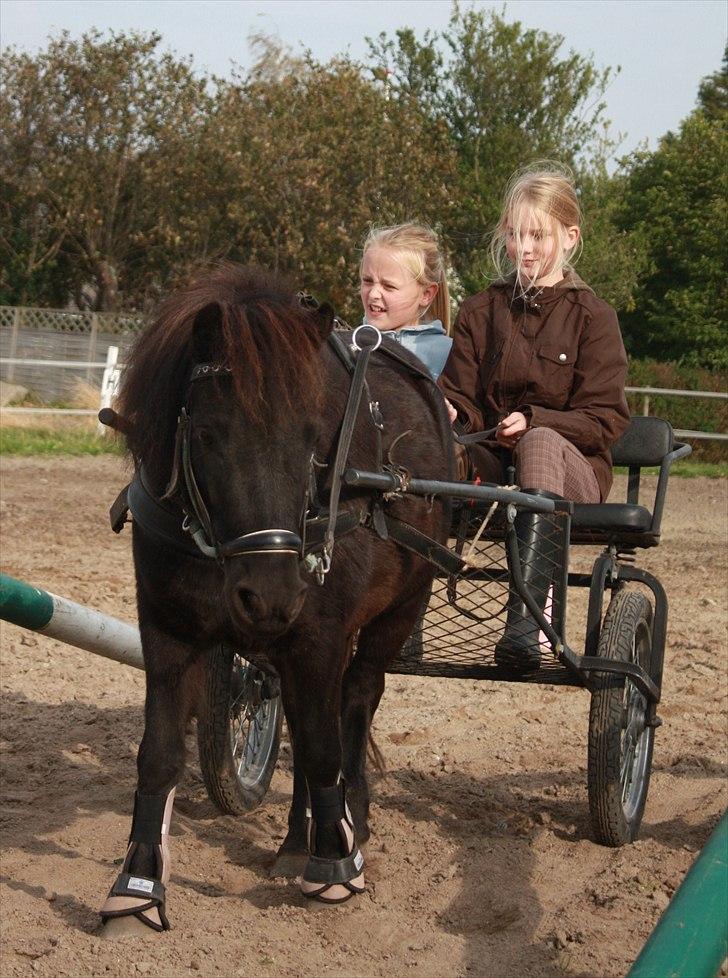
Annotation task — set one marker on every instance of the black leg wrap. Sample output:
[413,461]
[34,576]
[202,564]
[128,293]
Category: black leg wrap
[328,807]
[140,889]
[146,826]
[328,804]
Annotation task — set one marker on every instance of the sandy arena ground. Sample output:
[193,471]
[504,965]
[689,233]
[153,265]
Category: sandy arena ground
[481,861]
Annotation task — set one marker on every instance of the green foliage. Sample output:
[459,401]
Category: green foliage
[314,158]
[613,260]
[125,168]
[508,96]
[689,469]
[713,92]
[46,441]
[98,137]
[676,201]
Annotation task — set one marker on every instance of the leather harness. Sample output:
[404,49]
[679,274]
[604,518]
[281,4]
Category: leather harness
[180,518]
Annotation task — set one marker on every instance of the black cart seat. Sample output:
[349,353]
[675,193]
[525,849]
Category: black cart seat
[647,442]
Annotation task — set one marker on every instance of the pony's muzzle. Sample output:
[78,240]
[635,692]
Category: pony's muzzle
[265,593]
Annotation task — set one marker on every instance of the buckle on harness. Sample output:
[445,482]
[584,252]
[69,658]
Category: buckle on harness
[319,565]
[373,337]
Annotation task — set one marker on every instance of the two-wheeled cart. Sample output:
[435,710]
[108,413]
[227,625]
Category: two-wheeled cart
[623,647]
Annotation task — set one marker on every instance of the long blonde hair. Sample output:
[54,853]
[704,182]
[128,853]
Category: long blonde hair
[417,249]
[546,190]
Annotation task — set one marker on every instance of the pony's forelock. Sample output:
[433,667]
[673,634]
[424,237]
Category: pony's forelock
[252,324]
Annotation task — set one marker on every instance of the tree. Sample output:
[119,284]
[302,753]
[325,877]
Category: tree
[676,201]
[713,92]
[613,258]
[307,162]
[98,136]
[508,97]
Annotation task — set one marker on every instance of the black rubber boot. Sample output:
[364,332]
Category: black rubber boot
[538,536]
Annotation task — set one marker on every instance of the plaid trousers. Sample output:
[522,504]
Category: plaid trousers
[543,460]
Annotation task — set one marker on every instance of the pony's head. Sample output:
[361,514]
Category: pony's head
[254,421]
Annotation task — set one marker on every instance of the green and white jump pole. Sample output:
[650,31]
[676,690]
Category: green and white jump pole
[691,938]
[48,614]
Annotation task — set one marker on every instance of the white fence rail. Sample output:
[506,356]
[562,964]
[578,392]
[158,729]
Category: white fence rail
[113,369]
[61,364]
[671,392]
[29,335]
[109,384]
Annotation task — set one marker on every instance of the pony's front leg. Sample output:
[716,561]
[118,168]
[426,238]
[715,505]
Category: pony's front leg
[292,854]
[334,870]
[363,686]
[137,899]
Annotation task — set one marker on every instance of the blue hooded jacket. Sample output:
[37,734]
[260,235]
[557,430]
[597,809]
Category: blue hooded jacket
[428,342]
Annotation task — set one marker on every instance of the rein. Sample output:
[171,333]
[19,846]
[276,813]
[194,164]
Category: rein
[365,339]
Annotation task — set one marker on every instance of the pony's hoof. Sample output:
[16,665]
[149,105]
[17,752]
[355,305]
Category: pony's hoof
[138,898]
[289,865]
[334,880]
[333,893]
[117,927]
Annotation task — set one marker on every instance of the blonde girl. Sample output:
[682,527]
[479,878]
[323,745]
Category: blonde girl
[539,357]
[404,290]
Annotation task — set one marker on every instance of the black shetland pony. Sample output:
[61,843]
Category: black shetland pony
[261,392]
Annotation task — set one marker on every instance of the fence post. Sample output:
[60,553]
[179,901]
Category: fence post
[109,382]
[93,338]
[14,343]
[646,405]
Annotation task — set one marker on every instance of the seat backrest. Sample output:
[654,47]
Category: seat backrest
[646,442]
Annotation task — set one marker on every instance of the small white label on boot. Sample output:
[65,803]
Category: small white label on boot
[145,886]
[358,859]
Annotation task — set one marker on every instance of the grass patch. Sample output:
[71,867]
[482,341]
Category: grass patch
[85,441]
[686,469]
[46,441]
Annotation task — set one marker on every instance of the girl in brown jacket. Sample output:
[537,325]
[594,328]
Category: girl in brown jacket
[539,357]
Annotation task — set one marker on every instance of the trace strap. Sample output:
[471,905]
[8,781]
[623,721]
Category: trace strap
[365,339]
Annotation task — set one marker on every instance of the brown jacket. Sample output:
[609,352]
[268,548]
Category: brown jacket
[556,355]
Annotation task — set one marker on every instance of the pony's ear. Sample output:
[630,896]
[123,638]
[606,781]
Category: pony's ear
[325,318]
[206,339]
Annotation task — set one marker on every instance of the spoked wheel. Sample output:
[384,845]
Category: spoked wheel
[238,731]
[620,743]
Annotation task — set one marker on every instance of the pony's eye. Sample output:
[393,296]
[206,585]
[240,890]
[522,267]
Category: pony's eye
[310,432]
[204,436]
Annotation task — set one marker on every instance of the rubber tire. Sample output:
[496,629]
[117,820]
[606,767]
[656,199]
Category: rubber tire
[233,794]
[627,636]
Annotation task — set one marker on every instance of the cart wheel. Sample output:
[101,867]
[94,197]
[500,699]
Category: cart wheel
[238,731]
[620,745]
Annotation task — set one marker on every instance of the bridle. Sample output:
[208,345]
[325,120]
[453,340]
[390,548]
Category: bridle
[183,485]
[197,520]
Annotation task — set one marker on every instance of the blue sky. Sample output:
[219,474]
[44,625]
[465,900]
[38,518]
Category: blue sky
[664,47]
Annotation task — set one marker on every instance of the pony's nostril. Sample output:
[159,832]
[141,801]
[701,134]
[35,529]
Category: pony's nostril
[251,603]
[264,608]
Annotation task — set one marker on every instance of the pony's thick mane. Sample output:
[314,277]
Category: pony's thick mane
[240,316]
